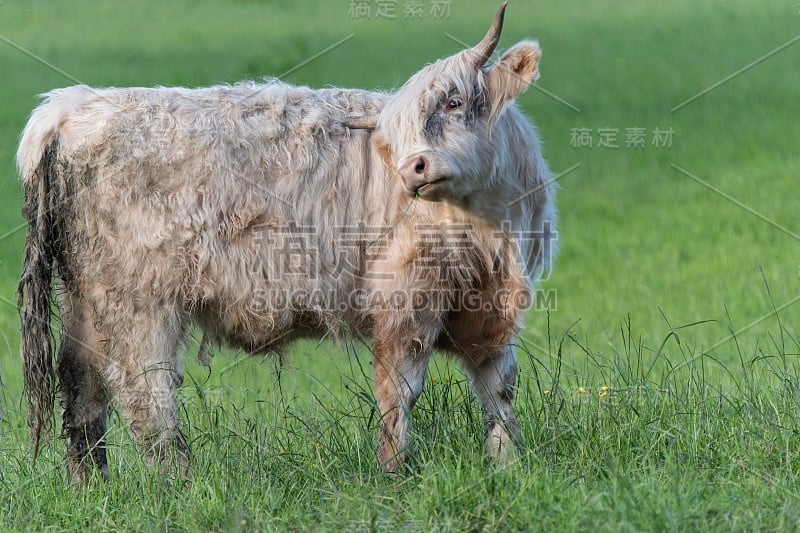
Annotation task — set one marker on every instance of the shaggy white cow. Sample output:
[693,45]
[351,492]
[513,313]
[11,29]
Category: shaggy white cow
[265,213]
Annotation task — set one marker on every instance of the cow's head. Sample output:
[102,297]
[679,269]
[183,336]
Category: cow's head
[436,131]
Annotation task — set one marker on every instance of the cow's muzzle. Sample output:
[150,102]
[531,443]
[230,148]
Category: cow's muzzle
[419,179]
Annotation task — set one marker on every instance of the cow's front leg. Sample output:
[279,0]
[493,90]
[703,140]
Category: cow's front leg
[494,383]
[401,362]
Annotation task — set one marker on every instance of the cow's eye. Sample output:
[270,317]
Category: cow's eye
[454,103]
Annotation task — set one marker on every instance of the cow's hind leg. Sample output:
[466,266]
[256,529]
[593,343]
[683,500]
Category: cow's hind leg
[494,382]
[83,393]
[143,373]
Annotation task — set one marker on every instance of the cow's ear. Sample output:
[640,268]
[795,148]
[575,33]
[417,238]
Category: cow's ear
[515,71]
[361,122]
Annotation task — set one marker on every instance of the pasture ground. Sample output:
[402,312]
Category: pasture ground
[677,286]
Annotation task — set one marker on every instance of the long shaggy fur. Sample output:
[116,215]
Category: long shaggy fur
[257,211]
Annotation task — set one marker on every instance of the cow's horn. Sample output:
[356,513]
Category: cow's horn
[485,48]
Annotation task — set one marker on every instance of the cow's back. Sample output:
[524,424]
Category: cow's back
[233,202]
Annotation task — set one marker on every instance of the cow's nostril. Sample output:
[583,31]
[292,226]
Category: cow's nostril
[422,164]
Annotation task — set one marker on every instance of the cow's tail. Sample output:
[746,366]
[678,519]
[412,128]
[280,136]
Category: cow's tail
[37,163]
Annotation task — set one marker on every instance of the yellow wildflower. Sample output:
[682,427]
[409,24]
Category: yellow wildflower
[581,390]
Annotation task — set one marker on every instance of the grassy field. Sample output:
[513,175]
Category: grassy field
[676,286]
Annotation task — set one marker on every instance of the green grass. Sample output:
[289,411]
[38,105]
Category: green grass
[654,271]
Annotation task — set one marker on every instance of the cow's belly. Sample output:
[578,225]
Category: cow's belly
[270,315]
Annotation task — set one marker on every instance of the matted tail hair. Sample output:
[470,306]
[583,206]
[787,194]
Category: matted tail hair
[35,296]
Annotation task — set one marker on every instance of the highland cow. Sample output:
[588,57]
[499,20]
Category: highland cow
[263,213]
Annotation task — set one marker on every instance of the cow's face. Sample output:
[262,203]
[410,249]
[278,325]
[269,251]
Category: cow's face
[436,131]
